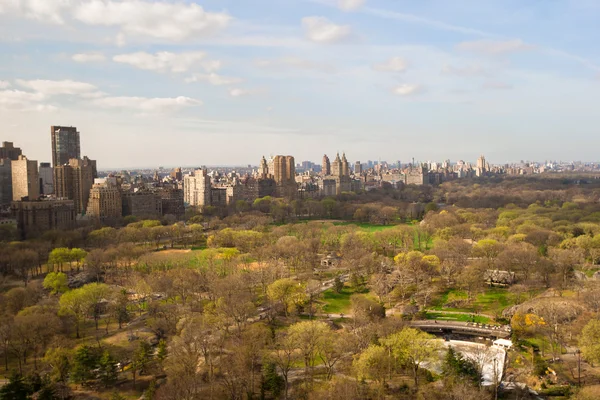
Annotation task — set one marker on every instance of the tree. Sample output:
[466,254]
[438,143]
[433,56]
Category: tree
[85,360]
[56,282]
[284,355]
[308,336]
[74,303]
[412,348]
[59,360]
[372,363]
[287,292]
[589,341]
[107,369]
[15,389]
[141,358]
[94,295]
[118,307]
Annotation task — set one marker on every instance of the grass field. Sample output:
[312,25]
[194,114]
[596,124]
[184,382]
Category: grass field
[457,317]
[491,301]
[337,303]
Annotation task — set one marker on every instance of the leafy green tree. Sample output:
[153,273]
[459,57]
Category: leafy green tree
[59,360]
[107,369]
[272,383]
[15,389]
[412,348]
[56,282]
[288,292]
[75,304]
[141,358]
[85,360]
[372,363]
[589,341]
[118,307]
[308,335]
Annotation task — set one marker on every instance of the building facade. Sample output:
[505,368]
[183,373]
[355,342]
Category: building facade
[8,150]
[25,179]
[46,179]
[196,189]
[142,204]
[36,217]
[65,144]
[172,202]
[6,190]
[74,181]
[105,203]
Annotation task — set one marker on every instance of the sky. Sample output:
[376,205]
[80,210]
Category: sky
[224,82]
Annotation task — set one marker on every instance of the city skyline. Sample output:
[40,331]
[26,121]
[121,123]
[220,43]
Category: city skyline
[224,82]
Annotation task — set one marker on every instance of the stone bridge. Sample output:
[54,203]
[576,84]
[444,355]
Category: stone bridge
[463,328]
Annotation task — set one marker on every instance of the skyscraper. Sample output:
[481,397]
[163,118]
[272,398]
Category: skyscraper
[8,150]
[65,144]
[46,179]
[326,168]
[73,181]
[25,179]
[196,189]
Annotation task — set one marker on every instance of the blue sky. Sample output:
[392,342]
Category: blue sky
[223,82]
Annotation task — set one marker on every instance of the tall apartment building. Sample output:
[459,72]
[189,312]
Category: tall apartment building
[46,179]
[73,181]
[196,189]
[105,203]
[8,150]
[172,202]
[326,167]
[36,217]
[357,168]
[6,194]
[283,171]
[25,179]
[143,204]
[176,174]
[65,144]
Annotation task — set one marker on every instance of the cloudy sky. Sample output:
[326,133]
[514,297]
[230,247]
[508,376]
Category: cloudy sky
[210,82]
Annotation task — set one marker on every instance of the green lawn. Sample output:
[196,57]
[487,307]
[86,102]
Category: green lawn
[492,300]
[337,303]
[456,317]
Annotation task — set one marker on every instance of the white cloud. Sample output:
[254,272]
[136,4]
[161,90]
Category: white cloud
[294,63]
[407,90]
[168,62]
[350,5]
[88,57]
[322,30]
[148,105]
[497,85]
[464,71]
[17,100]
[213,79]
[239,92]
[41,10]
[4,84]
[494,47]
[395,64]
[50,88]
[157,19]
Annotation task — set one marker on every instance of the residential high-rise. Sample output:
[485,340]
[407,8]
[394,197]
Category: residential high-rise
[481,166]
[143,204]
[357,168]
[6,194]
[46,179]
[35,217]
[336,166]
[326,168]
[65,144]
[105,202]
[345,167]
[196,188]
[176,174]
[8,150]
[25,179]
[73,181]
[284,174]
